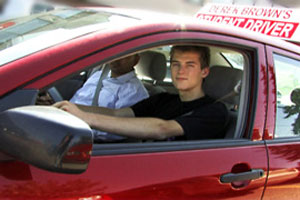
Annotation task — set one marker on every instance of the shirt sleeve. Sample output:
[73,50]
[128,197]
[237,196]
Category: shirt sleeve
[130,94]
[207,123]
[147,107]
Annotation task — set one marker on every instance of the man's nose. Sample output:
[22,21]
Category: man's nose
[181,69]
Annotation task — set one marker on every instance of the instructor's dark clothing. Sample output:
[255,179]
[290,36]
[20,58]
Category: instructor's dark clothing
[203,118]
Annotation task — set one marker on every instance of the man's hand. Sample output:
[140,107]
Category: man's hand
[44,99]
[71,108]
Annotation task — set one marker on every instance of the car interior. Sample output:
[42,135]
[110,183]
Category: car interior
[224,82]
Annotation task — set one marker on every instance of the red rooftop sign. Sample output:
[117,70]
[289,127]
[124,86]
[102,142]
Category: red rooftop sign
[276,22]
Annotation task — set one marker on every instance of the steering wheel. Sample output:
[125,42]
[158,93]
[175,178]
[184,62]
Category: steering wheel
[55,95]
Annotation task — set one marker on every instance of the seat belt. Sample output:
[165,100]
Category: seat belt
[236,91]
[105,71]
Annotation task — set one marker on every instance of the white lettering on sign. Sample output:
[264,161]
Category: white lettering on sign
[276,22]
[250,11]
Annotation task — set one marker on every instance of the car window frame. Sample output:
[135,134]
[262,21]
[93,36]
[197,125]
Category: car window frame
[134,45]
[271,120]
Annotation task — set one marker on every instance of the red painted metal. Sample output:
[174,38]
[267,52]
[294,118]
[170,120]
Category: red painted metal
[6,24]
[171,175]
[284,174]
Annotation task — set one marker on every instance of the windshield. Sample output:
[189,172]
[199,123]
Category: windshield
[23,36]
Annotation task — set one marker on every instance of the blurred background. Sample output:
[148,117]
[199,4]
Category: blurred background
[15,8]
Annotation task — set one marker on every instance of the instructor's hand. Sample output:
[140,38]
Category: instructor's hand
[71,108]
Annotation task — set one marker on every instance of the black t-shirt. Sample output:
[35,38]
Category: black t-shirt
[202,118]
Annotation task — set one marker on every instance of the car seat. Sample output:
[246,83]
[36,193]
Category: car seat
[224,84]
[152,68]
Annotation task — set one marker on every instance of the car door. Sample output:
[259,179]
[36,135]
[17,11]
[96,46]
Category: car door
[219,169]
[283,139]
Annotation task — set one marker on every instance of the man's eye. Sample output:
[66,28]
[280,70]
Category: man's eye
[192,66]
[174,65]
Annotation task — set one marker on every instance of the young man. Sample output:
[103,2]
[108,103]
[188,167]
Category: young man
[189,115]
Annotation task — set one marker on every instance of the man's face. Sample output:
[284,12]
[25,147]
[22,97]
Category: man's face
[187,75]
[124,65]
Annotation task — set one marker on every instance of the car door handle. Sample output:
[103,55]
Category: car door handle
[243,176]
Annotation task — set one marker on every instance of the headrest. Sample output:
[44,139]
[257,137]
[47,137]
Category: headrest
[152,65]
[223,83]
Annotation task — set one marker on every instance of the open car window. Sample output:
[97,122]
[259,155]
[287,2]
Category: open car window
[226,82]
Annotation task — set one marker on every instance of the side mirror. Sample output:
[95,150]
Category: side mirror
[46,137]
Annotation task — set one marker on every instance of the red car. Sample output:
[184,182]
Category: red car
[47,153]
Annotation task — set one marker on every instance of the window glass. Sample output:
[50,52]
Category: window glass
[21,29]
[236,60]
[54,27]
[288,96]
[69,13]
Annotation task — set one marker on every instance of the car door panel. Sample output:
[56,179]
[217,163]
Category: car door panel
[283,179]
[163,175]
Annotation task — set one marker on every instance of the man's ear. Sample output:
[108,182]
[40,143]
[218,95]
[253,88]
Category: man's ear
[205,72]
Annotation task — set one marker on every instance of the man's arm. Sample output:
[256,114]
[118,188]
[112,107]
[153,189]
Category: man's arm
[145,128]
[122,112]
